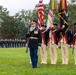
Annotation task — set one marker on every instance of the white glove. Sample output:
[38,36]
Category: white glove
[26,45]
[63,26]
[39,47]
[75,34]
[40,28]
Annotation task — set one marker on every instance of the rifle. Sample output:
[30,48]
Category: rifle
[27,40]
[73,49]
[26,50]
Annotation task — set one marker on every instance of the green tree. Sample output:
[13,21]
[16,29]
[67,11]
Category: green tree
[9,27]
[72,15]
[24,18]
[21,31]
[3,14]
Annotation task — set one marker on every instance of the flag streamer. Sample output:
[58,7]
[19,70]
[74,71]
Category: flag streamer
[59,14]
[53,4]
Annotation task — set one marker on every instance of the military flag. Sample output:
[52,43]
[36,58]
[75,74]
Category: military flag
[63,13]
[50,19]
[40,13]
[53,7]
[53,4]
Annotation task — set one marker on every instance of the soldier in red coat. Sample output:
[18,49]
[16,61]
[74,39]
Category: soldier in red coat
[43,46]
[74,42]
[64,44]
[52,44]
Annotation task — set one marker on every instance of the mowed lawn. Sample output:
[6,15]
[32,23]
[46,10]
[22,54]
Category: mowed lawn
[14,61]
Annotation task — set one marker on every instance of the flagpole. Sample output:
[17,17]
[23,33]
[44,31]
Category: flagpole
[54,6]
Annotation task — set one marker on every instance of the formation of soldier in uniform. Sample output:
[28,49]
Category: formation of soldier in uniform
[51,38]
[12,43]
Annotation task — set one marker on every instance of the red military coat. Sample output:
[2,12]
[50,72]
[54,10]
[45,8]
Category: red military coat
[53,35]
[74,41]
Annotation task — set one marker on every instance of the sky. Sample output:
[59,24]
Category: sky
[14,6]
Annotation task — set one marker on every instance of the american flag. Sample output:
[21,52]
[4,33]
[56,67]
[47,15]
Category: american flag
[40,13]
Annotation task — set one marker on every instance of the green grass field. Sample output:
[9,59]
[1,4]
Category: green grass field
[14,61]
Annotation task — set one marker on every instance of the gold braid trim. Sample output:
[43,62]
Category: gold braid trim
[59,14]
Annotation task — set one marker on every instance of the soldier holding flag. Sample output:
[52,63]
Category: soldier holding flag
[43,30]
[63,29]
[51,31]
[74,42]
[53,51]
[43,45]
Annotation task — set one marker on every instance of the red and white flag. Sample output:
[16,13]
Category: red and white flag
[50,19]
[40,13]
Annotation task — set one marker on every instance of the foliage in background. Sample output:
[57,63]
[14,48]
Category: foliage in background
[72,15]
[17,26]
[9,28]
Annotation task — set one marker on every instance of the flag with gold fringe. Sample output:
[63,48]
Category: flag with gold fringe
[53,4]
[53,7]
[50,19]
[63,15]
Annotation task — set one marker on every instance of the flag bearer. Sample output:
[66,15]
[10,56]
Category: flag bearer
[43,46]
[53,51]
[64,44]
[74,35]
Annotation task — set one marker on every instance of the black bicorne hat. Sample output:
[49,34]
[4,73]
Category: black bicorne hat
[43,25]
[74,23]
[55,24]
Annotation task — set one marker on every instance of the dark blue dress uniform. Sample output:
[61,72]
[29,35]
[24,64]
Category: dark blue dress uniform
[35,40]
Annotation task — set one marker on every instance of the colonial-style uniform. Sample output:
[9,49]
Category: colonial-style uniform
[52,45]
[35,40]
[43,46]
[64,45]
[70,38]
[74,42]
